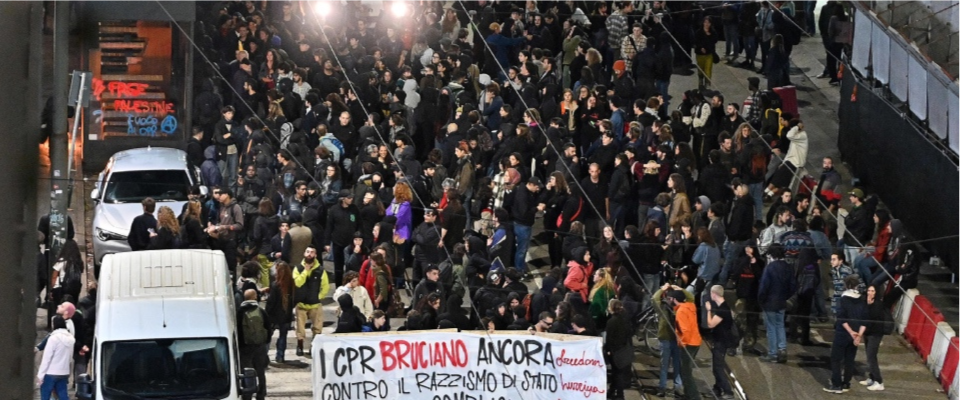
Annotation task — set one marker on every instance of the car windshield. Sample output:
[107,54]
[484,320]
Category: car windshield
[165,368]
[134,186]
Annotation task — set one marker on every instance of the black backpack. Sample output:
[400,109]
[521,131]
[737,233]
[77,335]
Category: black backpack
[72,280]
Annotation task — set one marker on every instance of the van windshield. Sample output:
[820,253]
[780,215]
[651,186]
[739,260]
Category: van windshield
[166,368]
[134,186]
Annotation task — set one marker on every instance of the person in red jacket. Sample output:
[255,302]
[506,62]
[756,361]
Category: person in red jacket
[579,271]
[874,254]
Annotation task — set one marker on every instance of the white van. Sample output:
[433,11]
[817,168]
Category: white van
[166,328]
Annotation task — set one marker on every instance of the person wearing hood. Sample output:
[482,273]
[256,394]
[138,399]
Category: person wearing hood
[54,371]
[699,216]
[209,170]
[579,271]
[253,342]
[542,300]
[351,319]
[456,314]
[477,264]
[849,331]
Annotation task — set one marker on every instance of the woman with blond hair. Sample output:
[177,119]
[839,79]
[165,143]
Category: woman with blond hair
[191,230]
[167,235]
[568,108]
[603,291]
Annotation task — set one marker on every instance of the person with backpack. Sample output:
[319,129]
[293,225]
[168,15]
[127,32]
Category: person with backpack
[253,337]
[725,336]
[67,273]
[808,279]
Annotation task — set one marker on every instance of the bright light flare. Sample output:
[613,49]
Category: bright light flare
[322,8]
[399,9]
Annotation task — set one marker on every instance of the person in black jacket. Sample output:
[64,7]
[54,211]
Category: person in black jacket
[191,227]
[617,344]
[739,227]
[620,192]
[342,221]
[167,234]
[426,238]
[253,355]
[542,300]
[849,330]
[194,148]
[280,307]
[523,203]
[877,317]
[351,319]
[520,322]
[142,225]
[456,314]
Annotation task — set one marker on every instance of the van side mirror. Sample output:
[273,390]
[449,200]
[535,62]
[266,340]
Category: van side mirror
[85,387]
[95,194]
[248,381]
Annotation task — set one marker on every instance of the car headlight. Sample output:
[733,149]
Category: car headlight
[106,235]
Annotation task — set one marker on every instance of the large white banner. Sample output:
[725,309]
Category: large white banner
[901,75]
[457,366]
[880,54]
[862,33]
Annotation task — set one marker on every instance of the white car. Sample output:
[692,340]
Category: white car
[129,177]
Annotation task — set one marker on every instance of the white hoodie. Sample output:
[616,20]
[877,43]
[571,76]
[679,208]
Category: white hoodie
[57,354]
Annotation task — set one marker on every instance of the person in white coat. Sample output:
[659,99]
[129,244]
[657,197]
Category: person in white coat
[351,286]
[796,157]
[54,369]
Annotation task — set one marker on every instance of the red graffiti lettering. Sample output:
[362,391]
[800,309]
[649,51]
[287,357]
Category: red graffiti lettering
[124,89]
[98,88]
[143,106]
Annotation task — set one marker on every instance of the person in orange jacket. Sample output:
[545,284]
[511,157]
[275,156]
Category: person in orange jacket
[688,337]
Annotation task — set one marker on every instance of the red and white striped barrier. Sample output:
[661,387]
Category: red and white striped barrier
[938,352]
[903,309]
[948,374]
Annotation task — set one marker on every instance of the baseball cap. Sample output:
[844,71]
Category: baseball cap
[856,192]
[536,181]
[346,194]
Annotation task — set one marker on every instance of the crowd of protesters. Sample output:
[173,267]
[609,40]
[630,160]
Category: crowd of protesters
[423,152]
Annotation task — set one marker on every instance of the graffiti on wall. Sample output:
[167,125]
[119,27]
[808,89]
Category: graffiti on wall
[145,115]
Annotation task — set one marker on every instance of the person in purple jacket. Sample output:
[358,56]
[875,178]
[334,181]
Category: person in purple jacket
[401,208]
